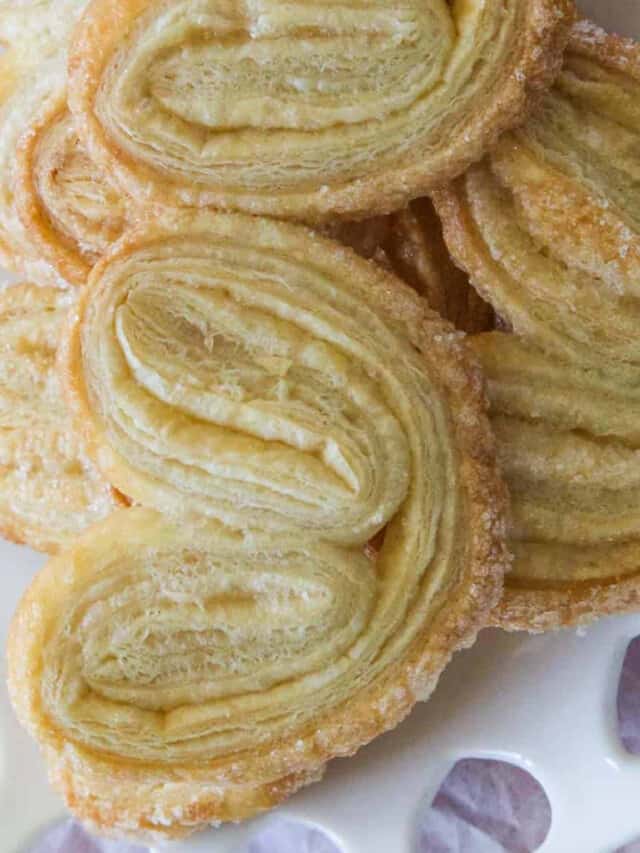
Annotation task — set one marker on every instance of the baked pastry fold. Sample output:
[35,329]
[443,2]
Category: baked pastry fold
[293,430]
[304,111]
[49,490]
[68,209]
[568,441]
[548,228]
[332,524]
[22,91]
[58,214]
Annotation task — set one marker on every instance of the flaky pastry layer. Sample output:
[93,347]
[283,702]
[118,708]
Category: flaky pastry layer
[568,442]
[304,110]
[548,228]
[58,213]
[333,524]
[68,210]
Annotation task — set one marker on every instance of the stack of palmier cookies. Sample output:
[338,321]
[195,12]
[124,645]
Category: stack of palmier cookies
[309,290]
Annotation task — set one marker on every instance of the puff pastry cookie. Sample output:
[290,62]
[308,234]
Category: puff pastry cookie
[410,243]
[333,530]
[569,445]
[20,90]
[57,212]
[68,209]
[548,227]
[304,110]
[49,491]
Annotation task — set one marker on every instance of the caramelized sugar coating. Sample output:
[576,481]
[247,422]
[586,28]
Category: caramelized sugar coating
[332,524]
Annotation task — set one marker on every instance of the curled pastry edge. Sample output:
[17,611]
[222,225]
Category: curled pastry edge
[145,805]
[383,192]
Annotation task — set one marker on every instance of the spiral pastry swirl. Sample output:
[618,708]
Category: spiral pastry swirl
[68,209]
[324,523]
[548,227]
[21,92]
[304,110]
[58,213]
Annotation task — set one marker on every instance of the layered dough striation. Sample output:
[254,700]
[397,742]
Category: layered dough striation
[548,228]
[332,524]
[69,210]
[58,212]
[304,110]
[49,491]
[290,427]
[569,446]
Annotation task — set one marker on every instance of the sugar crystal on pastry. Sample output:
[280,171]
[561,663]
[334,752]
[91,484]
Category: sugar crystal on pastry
[548,228]
[303,565]
[304,110]
[38,28]
[58,212]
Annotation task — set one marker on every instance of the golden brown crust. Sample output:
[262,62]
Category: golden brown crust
[66,207]
[148,799]
[528,59]
[548,228]
[568,444]
[79,780]
[70,265]
[542,610]
[613,51]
